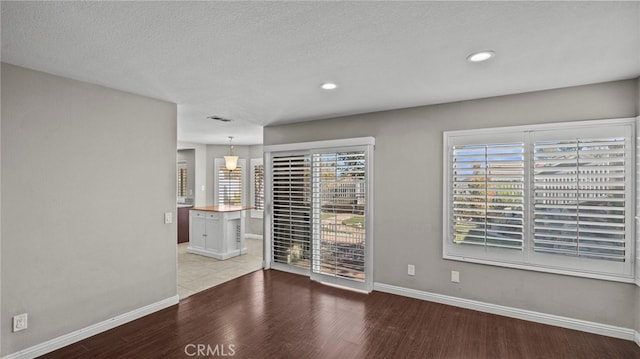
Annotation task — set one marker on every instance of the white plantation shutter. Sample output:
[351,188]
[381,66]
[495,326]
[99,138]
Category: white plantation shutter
[561,195]
[488,195]
[258,186]
[579,196]
[230,186]
[291,192]
[182,181]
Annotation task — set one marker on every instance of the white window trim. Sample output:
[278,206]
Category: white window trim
[637,202]
[347,142]
[255,213]
[217,163]
[632,255]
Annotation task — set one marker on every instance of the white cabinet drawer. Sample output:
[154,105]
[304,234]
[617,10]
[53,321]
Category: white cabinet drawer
[197,214]
[212,215]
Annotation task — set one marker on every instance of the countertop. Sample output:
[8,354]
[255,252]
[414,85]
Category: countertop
[222,208]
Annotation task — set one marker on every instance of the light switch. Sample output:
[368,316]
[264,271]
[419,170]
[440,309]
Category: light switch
[168,217]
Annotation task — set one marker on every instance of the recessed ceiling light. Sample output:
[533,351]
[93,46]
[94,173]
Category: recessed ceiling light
[481,56]
[329,86]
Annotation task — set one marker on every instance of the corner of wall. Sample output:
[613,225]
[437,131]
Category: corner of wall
[638,96]
[1,271]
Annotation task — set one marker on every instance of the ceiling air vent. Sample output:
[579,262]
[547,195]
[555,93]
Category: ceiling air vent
[218,118]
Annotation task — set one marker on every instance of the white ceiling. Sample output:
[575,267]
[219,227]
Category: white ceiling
[261,63]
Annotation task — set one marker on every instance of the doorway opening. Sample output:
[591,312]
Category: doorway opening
[197,272]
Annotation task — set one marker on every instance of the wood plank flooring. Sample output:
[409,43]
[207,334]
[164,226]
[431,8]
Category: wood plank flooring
[272,314]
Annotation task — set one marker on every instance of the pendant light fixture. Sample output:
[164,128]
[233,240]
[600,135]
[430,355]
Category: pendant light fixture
[231,161]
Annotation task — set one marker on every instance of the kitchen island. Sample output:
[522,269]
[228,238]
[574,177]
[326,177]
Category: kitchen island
[217,231]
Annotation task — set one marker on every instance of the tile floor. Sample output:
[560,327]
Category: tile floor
[197,273]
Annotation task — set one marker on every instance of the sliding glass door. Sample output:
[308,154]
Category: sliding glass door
[320,214]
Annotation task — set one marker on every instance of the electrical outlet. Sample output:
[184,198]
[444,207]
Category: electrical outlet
[20,322]
[411,269]
[168,217]
[455,276]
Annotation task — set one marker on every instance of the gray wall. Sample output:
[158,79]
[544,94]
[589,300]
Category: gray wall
[2,327]
[408,197]
[87,173]
[638,93]
[637,314]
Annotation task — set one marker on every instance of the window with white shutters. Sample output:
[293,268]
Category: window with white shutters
[555,197]
[258,186]
[229,185]
[182,181]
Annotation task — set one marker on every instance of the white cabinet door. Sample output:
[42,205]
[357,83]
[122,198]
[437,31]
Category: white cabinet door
[197,230]
[213,242]
[232,235]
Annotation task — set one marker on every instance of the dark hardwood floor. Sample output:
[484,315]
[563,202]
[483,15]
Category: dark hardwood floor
[272,314]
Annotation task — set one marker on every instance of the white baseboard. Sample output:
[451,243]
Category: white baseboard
[560,321]
[253,236]
[556,320]
[78,335]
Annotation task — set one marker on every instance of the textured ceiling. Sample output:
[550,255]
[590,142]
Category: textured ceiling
[261,63]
